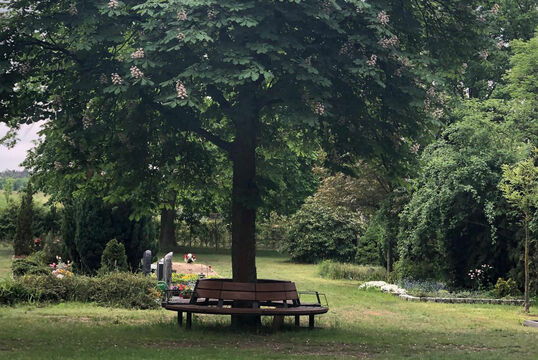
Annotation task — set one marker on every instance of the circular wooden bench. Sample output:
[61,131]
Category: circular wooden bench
[264,298]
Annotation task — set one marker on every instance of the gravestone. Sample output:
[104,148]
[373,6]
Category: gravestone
[160,270]
[167,271]
[146,262]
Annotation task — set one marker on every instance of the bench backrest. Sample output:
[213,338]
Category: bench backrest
[261,291]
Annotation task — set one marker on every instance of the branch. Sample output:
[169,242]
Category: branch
[49,46]
[196,128]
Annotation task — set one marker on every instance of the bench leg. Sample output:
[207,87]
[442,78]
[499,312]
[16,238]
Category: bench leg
[278,321]
[189,320]
[180,318]
[310,321]
[297,320]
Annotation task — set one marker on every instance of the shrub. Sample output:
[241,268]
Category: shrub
[335,270]
[8,221]
[505,288]
[318,232]
[114,257]
[21,267]
[422,287]
[24,236]
[117,289]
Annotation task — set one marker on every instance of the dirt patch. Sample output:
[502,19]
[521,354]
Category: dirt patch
[193,268]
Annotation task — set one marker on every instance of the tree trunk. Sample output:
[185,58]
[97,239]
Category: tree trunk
[244,199]
[527,302]
[167,235]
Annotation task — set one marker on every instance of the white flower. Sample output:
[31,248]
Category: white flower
[484,54]
[73,9]
[181,90]
[211,14]
[319,109]
[182,15]
[116,79]
[438,113]
[387,42]
[180,36]
[138,54]
[495,9]
[113,4]
[372,61]
[136,72]
[58,165]
[383,17]
[415,148]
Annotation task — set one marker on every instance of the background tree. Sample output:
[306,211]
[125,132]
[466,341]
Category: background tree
[24,236]
[520,187]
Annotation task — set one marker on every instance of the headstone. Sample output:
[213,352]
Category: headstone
[160,270]
[168,269]
[146,262]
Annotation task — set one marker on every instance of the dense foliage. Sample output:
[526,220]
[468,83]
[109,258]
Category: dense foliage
[114,258]
[115,289]
[24,236]
[318,232]
[89,224]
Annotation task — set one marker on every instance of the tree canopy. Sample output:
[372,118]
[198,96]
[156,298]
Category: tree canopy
[355,78]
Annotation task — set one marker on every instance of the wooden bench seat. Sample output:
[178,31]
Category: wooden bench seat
[263,298]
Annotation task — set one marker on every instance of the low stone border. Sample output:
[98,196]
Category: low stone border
[531,323]
[402,293]
[461,300]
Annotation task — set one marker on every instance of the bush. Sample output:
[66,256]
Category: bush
[505,288]
[21,267]
[318,232]
[24,236]
[117,289]
[423,287]
[8,221]
[114,258]
[335,270]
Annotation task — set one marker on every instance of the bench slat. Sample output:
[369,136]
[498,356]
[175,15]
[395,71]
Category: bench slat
[237,295]
[236,286]
[298,310]
[208,294]
[209,285]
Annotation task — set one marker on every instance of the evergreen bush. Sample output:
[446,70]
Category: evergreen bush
[24,236]
[114,258]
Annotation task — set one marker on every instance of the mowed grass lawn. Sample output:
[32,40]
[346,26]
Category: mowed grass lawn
[360,324]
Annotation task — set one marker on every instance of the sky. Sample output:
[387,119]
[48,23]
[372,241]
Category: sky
[10,159]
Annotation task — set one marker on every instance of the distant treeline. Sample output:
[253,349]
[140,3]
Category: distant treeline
[15,174]
[14,184]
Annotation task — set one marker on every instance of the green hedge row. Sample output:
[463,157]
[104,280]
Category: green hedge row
[335,270]
[119,289]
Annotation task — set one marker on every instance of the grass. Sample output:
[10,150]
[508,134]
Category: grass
[360,324]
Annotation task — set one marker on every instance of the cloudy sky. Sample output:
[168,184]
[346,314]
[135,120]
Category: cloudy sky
[10,159]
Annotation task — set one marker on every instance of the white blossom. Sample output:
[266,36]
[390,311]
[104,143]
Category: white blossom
[103,79]
[136,72]
[387,42]
[438,113]
[484,54]
[138,54]
[181,90]
[73,9]
[415,148]
[113,4]
[372,61]
[495,9]
[180,36]
[319,109]
[211,14]
[116,79]
[58,165]
[182,15]
[383,17]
